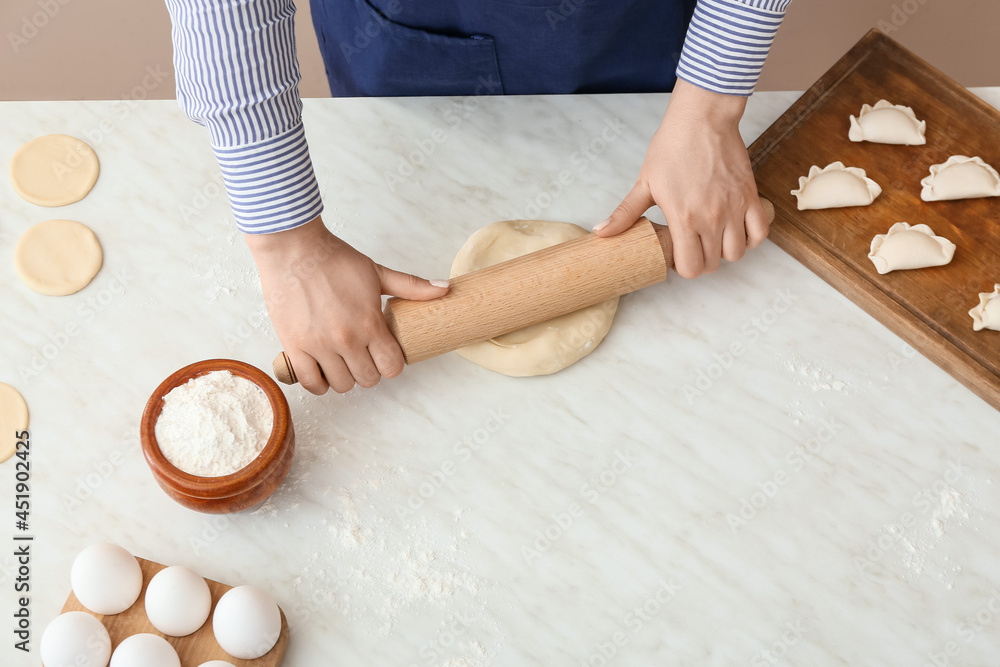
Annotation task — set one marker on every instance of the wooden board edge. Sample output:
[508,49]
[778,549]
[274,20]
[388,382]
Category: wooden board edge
[943,352]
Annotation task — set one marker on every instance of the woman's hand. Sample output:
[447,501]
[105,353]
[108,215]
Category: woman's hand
[324,299]
[697,171]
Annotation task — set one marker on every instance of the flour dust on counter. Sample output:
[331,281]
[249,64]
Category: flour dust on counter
[904,547]
[378,573]
[812,376]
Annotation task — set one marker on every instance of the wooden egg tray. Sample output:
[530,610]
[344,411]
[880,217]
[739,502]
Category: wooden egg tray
[194,649]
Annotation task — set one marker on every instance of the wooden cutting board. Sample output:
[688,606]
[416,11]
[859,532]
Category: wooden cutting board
[195,648]
[929,308]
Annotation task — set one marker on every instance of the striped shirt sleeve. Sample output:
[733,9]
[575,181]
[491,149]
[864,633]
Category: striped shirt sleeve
[237,74]
[727,42]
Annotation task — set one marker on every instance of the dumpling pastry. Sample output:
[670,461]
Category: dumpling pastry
[835,186]
[987,314]
[906,247]
[960,177]
[887,123]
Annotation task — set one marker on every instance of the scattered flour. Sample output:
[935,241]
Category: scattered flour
[812,376]
[214,424]
[381,576]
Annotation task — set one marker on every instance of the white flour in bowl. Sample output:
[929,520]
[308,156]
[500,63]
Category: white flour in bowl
[214,424]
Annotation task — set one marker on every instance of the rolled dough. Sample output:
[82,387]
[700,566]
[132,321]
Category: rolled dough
[546,347]
[13,419]
[58,257]
[54,170]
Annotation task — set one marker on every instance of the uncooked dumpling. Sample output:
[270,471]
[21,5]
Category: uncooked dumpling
[546,347]
[906,247]
[960,177]
[58,257]
[54,170]
[987,314]
[887,123]
[835,186]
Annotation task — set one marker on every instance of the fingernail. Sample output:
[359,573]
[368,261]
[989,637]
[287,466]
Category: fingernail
[602,224]
[439,283]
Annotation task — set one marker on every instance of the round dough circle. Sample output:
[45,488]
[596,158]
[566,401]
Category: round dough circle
[58,257]
[13,419]
[546,347]
[54,170]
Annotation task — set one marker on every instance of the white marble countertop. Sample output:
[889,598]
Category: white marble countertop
[823,497]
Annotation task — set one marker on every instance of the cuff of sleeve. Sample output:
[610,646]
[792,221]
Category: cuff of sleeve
[271,184]
[727,43]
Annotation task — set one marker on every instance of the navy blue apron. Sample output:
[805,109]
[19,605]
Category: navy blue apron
[389,48]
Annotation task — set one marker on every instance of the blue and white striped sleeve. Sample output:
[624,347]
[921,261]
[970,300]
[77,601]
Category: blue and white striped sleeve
[727,43]
[237,75]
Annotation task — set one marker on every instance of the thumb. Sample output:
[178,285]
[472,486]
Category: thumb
[410,287]
[635,204]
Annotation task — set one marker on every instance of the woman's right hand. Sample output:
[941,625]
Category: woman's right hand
[324,300]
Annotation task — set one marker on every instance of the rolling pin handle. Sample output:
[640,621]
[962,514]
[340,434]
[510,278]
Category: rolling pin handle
[768,209]
[283,371]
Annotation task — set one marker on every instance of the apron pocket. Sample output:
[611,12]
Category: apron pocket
[379,57]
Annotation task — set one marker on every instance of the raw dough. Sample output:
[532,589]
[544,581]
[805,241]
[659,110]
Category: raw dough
[546,347]
[987,314]
[887,123]
[835,186]
[906,247]
[960,177]
[54,170]
[13,419]
[58,257]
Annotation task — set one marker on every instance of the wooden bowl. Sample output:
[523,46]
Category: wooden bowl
[246,488]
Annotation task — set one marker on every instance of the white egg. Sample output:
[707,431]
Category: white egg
[145,650]
[75,638]
[216,663]
[106,579]
[178,601]
[247,622]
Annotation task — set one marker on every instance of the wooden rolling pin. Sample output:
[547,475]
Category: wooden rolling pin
[526,290]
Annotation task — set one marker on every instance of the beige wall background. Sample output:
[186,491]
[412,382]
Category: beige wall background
[110,49]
